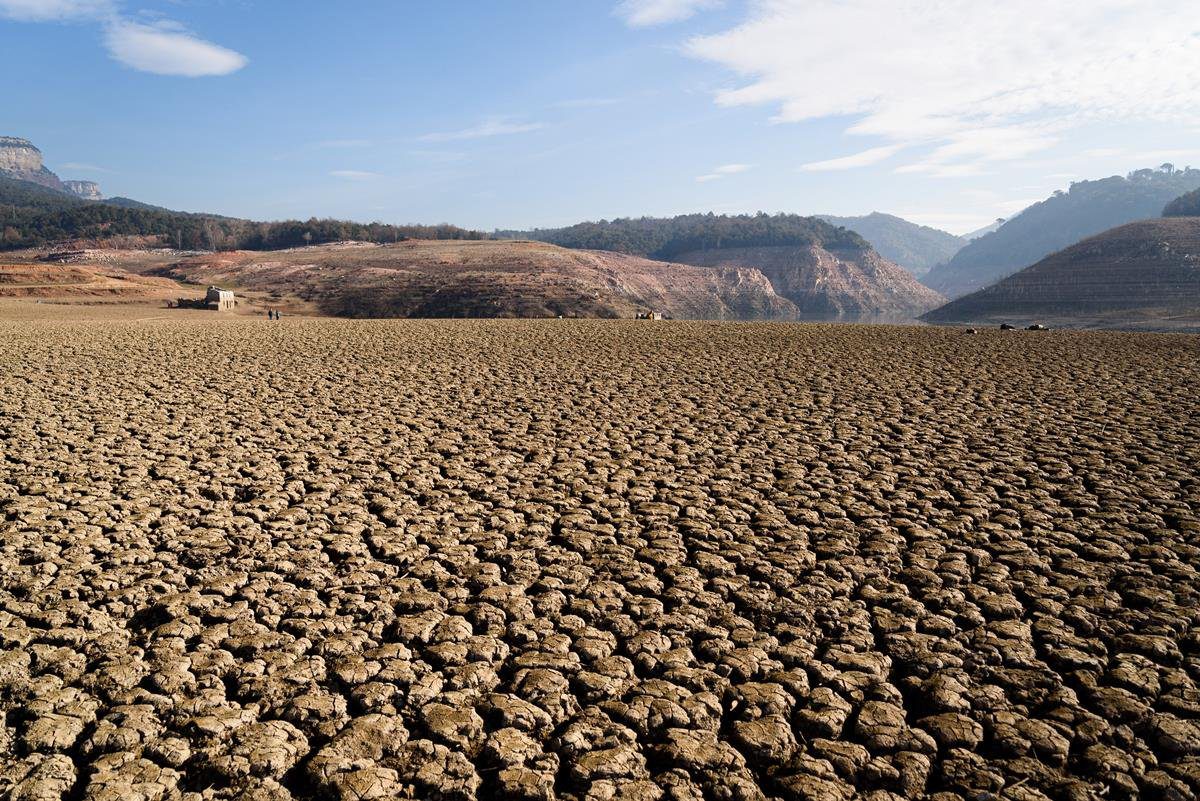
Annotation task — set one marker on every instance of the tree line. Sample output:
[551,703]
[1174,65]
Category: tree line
[667,237]
[36,216]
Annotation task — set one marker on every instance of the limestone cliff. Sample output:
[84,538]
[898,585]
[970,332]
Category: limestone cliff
[88,190]
[20,159]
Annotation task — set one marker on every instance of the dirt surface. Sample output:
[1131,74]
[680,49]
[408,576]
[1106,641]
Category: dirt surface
[331,559]
[81,283]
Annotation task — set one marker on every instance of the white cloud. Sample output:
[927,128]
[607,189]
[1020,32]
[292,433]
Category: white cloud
[54,10]
[494,126]
[1103,152]
[162,48]
[644,13]
[863,159]
[354,175]
[721,172]
[168,50]
[976,87]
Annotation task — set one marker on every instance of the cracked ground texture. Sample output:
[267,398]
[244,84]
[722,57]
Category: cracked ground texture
[324,559]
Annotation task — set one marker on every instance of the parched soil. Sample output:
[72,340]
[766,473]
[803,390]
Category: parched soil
[80,282]
[330,559]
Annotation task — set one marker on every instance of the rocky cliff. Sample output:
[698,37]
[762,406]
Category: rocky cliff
[829,283]
[88,190]
[21,159]
[1136,273]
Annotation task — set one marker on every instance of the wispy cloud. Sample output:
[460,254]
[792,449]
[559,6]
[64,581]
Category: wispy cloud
[80,167]
[1148,156]
[975,87]
[861,159]
[54,10]
[1103,152]
[644,13]
[493,126]
[161,48]
[724,171]
[354,175]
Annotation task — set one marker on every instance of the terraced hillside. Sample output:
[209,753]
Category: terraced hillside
[1144,273]
[323,559]
[488,279]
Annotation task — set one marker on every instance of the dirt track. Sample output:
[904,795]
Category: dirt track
[329,559]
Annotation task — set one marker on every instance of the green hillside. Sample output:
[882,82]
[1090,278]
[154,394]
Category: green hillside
[667,237]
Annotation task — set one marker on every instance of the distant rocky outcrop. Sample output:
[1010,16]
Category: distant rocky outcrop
[21,159]
[1144,274]
[829,282]
[88,190]
[916,248]
[488,279]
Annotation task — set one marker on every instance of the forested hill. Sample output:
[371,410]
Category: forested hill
[35,216]
[916,248]
[1184,206]
[664,238]
[1088,208]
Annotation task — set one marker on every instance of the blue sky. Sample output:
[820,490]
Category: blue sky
[542,112]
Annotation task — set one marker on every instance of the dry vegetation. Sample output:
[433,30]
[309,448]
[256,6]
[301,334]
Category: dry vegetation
[527,559]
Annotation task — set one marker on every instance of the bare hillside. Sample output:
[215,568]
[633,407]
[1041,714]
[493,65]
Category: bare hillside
[488,279]
[829,283]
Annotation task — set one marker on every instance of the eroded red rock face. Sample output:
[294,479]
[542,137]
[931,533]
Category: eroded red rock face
[585,560]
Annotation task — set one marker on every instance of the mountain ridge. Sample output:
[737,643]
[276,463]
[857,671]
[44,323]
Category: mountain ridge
[916,248]
[1139,273]
[1086,209]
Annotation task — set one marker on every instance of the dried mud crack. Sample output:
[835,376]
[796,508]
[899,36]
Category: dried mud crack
[585,560]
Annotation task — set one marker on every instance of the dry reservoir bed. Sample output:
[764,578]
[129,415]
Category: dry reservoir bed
[454,560]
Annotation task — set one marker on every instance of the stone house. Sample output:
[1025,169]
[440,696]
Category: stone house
[218,299]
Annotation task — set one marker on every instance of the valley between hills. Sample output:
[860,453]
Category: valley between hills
[1065,261]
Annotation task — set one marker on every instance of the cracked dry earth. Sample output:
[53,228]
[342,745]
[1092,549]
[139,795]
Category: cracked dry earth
[323,559]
